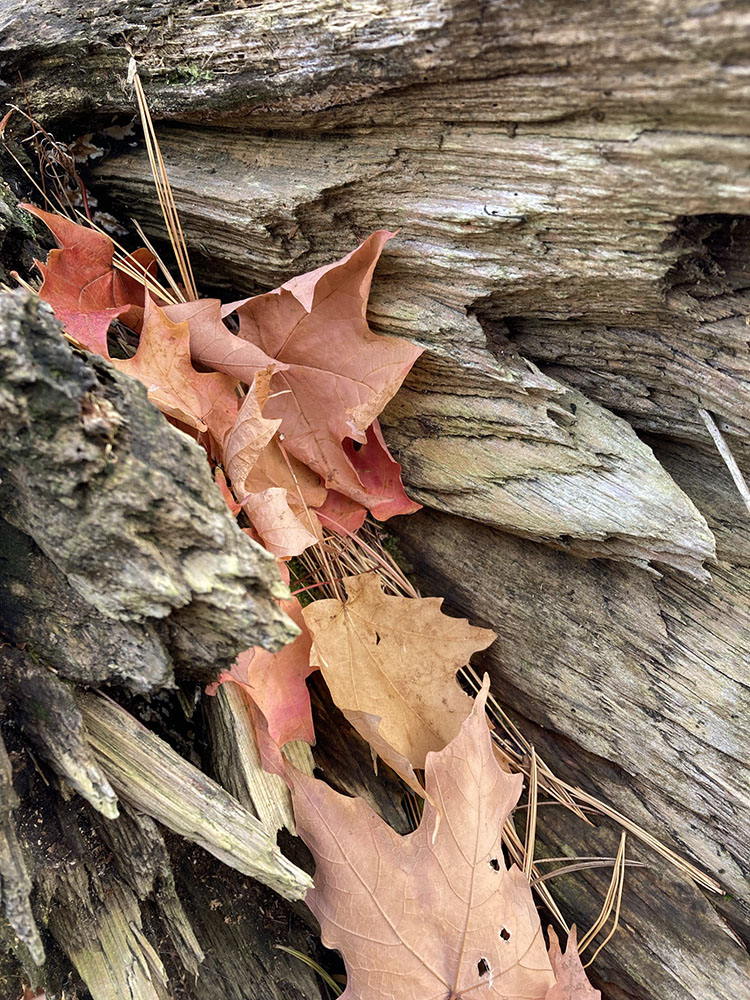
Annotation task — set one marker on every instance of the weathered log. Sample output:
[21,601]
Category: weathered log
[123,505]
[15,885]
[149,775]
[46,709]
[106,904]
[236,759]
[572,188]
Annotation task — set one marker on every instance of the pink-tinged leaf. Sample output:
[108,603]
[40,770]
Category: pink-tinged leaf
[338,374]
[276,683]
[380,475]
[340,514]
[434,914]
[81,284]
[250,435]
[215,346]
[275,467]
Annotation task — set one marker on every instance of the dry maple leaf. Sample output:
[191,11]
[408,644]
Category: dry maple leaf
[390,664]
[250,434]
[276,682]
[434,915]
[80,283]
[571,981]
[215,346]
[162,363]
[280,514]
[280,530]
[338,374]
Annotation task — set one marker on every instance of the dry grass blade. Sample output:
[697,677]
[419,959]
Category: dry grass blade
[163,187]
[178,296]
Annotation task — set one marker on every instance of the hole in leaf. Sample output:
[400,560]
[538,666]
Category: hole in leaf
[483,967]
[377,638]
[495,864]
[505,934]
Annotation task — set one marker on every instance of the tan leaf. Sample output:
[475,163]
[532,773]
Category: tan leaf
[250,434]
[278,527]
[434,915]
[390,664]
[162,364]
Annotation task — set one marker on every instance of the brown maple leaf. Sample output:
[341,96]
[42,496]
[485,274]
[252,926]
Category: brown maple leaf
[250,433]
[81,284]
[277,526]
[212,344]
[276,497]
[571,981]
[338,374]
[435,915]
[390,664]
[162,363]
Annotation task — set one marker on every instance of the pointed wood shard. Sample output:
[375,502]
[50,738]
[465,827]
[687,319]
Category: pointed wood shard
[576,476]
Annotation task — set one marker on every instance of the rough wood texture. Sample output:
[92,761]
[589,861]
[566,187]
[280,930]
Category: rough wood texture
[154,779]
[15,886]
[236,760]
[92,473]
[107,906]
[45,708]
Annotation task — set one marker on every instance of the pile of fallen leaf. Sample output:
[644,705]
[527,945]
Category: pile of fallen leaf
[283,390]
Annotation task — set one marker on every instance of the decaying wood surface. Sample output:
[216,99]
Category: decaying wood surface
[570,182]
[83,477]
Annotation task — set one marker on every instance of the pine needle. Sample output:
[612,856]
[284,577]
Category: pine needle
[163,187]
[528,854]
[723,448]
[613,901]
[312,964]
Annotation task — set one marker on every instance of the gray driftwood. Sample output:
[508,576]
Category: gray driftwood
[571,184]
